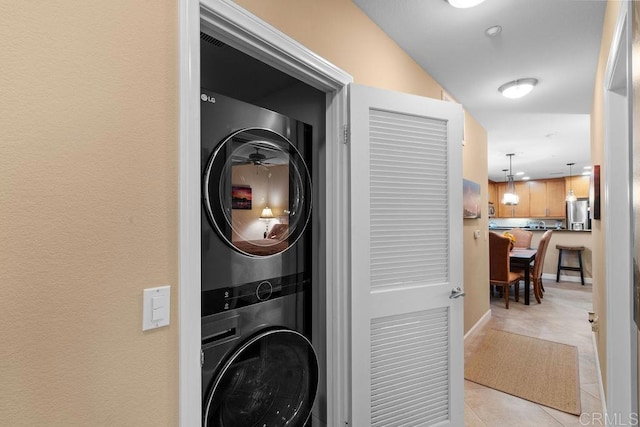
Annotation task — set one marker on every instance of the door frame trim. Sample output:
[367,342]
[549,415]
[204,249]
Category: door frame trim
[617,221]
[246,32]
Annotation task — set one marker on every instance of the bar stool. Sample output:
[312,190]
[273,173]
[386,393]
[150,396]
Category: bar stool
[577,249]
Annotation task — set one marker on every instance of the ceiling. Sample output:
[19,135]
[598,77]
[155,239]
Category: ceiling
[554,41]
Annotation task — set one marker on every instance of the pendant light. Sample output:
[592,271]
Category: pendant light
[570,197]
[510,198]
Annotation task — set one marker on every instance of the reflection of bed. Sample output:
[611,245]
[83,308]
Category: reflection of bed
[275,242]
[261,247]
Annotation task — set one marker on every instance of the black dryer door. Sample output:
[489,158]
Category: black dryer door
[270,380]
[257,191]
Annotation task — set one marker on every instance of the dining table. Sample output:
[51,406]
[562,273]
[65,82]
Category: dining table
[521,259]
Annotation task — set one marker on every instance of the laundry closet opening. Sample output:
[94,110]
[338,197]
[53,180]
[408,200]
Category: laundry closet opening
[267,194]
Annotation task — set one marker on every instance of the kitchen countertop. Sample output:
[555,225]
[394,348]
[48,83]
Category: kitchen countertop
[539,229]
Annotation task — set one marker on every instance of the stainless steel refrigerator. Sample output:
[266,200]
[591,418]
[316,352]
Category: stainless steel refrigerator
[578,215]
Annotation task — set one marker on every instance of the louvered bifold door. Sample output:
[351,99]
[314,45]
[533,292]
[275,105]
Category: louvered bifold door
[406,252]
[409,209]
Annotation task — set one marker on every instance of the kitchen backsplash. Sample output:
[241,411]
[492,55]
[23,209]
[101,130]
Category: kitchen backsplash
[525,222]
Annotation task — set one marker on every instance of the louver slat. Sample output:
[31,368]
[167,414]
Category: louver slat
[408,200]
[409,369]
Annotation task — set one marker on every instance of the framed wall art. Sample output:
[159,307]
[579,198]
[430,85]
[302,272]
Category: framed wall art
[471,199]
[240,197]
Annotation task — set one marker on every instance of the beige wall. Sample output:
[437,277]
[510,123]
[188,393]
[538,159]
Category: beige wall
[88,212]
[89,196]
[566,238]
[476,251]
[597,157]
[340,32]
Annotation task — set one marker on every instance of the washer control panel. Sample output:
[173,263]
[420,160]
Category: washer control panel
[228,298]
[264,290]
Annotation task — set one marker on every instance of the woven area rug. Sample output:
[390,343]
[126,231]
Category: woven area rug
[534,369]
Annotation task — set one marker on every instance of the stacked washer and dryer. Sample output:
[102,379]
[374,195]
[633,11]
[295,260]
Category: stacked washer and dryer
[259,366]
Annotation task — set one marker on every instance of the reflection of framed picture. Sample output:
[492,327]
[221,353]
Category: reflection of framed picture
[240,197]
[471,199]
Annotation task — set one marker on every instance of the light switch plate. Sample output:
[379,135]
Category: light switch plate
[156,307]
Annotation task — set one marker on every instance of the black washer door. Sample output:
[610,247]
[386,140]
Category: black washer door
[271,380]
[257,192]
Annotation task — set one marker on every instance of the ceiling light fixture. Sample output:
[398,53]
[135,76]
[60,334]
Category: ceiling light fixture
[464,4]
[510,198]
[570,197]
[517,88]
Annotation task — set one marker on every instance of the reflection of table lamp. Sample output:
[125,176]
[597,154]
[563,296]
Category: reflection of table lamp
[266,215]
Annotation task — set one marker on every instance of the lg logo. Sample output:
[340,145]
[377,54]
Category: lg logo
[207,98]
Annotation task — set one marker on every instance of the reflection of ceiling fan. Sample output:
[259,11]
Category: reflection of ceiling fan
[257,159]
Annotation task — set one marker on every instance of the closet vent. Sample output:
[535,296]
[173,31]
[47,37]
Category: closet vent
[211,40]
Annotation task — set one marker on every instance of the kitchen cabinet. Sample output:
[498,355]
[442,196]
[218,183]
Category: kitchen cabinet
[556,195]
[521,210]
[546,198]
[502,211]
[493,198]
[580,185]
[538,199]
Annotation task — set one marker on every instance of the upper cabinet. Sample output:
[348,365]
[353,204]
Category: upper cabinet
[502,211]
[493,193]
[521,209]
[580,185]
[556,195]
[546,198]
[538,199]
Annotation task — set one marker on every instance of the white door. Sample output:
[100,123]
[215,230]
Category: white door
[406,219]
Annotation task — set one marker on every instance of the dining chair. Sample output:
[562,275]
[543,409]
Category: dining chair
[535,276]
[546,237]
[523,238]
[499,272]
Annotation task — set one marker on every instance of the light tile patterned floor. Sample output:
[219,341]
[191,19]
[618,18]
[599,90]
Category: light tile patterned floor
[561,317]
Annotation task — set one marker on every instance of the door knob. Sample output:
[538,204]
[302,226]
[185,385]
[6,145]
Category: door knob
[456,292]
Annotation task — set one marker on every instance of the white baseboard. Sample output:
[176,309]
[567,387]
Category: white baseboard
[603,398]
[484,319]
[552,276]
